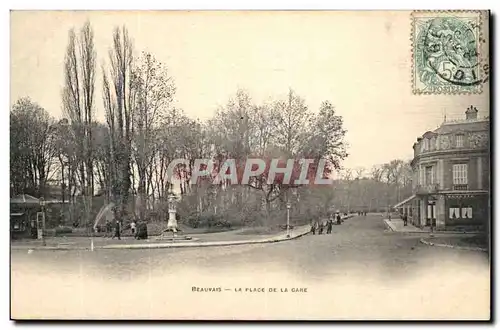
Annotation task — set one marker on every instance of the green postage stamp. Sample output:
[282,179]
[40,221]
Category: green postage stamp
[448,53]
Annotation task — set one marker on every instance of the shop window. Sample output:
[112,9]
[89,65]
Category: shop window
[464,212]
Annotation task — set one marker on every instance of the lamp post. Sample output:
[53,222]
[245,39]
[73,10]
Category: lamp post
[42,204]
[288,206]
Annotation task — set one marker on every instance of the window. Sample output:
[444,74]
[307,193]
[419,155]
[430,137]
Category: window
[426,144]
[464,212]
[459,174]
[433,143]
[429,175]
[460,140]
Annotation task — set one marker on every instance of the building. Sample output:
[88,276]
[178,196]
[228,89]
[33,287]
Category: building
[451,177]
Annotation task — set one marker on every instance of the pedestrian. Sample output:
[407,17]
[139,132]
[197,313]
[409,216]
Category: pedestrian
[133,227]
[321,227]
[339,219]
[405,220]
[109,228]
[313,228]
[117,230]
[329,226]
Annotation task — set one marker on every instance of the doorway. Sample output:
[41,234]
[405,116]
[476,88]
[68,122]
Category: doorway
[431,213]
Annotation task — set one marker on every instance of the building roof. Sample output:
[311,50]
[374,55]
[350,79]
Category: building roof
[405,201]
[463,125]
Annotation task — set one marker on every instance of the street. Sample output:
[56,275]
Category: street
[359,271]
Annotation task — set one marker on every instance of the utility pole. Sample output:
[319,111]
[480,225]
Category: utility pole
[288,206]
[42,204]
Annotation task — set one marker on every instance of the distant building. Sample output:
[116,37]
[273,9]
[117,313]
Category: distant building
[451,178]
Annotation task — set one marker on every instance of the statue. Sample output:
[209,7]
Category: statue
[172,212]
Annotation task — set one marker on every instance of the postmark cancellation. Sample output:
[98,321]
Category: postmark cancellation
[447,50]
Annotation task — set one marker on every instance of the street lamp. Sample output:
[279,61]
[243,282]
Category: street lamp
[288,206]
[42,204]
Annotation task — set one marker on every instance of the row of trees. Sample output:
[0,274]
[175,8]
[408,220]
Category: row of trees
[380,187]
[128,155]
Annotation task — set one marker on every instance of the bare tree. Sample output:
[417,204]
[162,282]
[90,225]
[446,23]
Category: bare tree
[376,173]
[155,90]
[119,99]
[78,103]
[291,123]
[32,147]
[347,176]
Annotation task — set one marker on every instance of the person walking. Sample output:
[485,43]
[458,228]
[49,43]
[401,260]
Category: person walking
[321,227]
[339,219]
[109,228]
[133,228]
[117,230]
[329,225]
[313,228]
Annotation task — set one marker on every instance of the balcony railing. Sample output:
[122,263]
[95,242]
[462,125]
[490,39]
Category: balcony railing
[460,187]
[427,188]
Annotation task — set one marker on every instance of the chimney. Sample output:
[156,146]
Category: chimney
[471,113]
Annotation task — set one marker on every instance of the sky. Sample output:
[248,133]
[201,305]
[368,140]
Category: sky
[359,61]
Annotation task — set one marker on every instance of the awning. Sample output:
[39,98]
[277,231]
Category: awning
[405,201]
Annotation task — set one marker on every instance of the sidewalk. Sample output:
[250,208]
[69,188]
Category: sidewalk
[201,240]
[397,225]
[462,242]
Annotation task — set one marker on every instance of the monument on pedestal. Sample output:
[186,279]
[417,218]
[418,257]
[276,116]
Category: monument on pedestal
[172,225]
[171,220]
[172,213]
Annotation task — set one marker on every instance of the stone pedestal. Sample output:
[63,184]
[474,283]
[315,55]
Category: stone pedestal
[172,221]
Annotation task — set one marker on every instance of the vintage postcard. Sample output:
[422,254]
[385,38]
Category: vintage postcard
[250,165]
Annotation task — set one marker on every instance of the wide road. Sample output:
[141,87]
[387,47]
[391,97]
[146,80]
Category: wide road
[359,271]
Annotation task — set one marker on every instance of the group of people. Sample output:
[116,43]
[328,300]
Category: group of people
[139,231]
[320,226]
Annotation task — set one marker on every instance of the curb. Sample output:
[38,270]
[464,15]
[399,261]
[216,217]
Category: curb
[49,248]
[389,226]
[201,244]
[423,241]
[159,245]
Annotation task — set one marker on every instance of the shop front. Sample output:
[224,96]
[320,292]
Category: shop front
[466,209]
